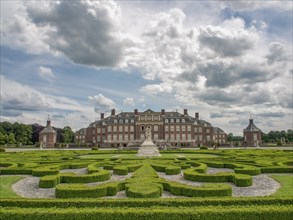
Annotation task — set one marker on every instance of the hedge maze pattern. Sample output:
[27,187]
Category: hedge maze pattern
[145,181]
[140,178]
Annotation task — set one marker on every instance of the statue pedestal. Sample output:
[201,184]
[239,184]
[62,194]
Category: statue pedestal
[148,149]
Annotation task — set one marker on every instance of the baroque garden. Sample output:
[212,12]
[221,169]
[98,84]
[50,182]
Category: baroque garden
[179,184]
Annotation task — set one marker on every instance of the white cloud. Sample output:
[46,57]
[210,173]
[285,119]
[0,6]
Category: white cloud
[101,103]
[129,101]
[22,103]
[156,88]
[46,73]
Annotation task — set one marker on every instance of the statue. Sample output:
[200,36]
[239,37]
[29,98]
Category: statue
[148,133]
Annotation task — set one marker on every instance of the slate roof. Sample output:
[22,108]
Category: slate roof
[251,126]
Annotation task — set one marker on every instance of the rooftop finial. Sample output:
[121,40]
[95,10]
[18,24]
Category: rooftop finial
[48,117]
[250,116]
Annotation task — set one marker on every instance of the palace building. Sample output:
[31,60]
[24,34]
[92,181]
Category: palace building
[47,137]
[252,134]
[170,128]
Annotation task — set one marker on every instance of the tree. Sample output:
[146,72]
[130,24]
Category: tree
[11,139]
[36,129]
[2,138]
[230,137]
[68,135]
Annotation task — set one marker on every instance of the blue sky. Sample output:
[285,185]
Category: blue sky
[75,60]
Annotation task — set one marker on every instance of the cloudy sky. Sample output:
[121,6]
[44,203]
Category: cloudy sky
[76,59]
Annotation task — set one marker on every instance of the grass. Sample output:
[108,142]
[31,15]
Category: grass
[286,182]
[6,186]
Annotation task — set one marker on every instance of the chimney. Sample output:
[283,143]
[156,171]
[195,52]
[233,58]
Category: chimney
[196,115]
[185,112]
[113,112]
[102,116]
[135,112]
[162,111]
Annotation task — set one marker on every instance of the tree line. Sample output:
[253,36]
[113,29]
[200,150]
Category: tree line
[23,134]
[272,136]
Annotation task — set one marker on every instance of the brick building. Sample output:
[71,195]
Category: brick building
[252,134]
[171,128]
[47,137]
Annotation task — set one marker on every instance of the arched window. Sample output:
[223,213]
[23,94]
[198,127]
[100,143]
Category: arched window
[120,121]
[177,120]
[132,121]
[172,120]
[166,121]
[126,121]
[183,120]
[195,123]
[115,121]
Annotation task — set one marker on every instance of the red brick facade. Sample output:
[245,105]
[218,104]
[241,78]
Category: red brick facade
[47,137]
[172,128]
[252,134]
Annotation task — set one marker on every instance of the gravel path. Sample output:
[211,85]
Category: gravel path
[263,185]
[28,187]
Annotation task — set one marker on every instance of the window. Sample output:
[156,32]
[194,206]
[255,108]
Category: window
[172,137]
[131,137]
[183,128]
[255,137]
[141,136]
[200,137]
[195,129]
[156,128]
[120,121]
[142,118]
[189,136]
[156,118]
[156,137]
[114,137]
[142,128]
[183,120]
[149,118]
[177,136]
[126,121]
[120,137]
[172,128]
[166,136]
[177,120]
[126,128]
[115,121]
[120,128]
[114,128]
[195,123]
[131,128]
[109,137]
[109,128]
[166,128]
[166,121]
[200,129]
[208,138]
[126,137]
[188,128]
[177,127]
[172,120]
[98,130]
[98,138]
[207,130]
[183,136]
[132,121]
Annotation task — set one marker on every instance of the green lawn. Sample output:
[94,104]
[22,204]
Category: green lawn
[286,182]
[5,186]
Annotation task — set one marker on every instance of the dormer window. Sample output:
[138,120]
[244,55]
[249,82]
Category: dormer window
[120,121]
[172,120]
[166,121]
[177,120]
[126,121]
[115,121]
